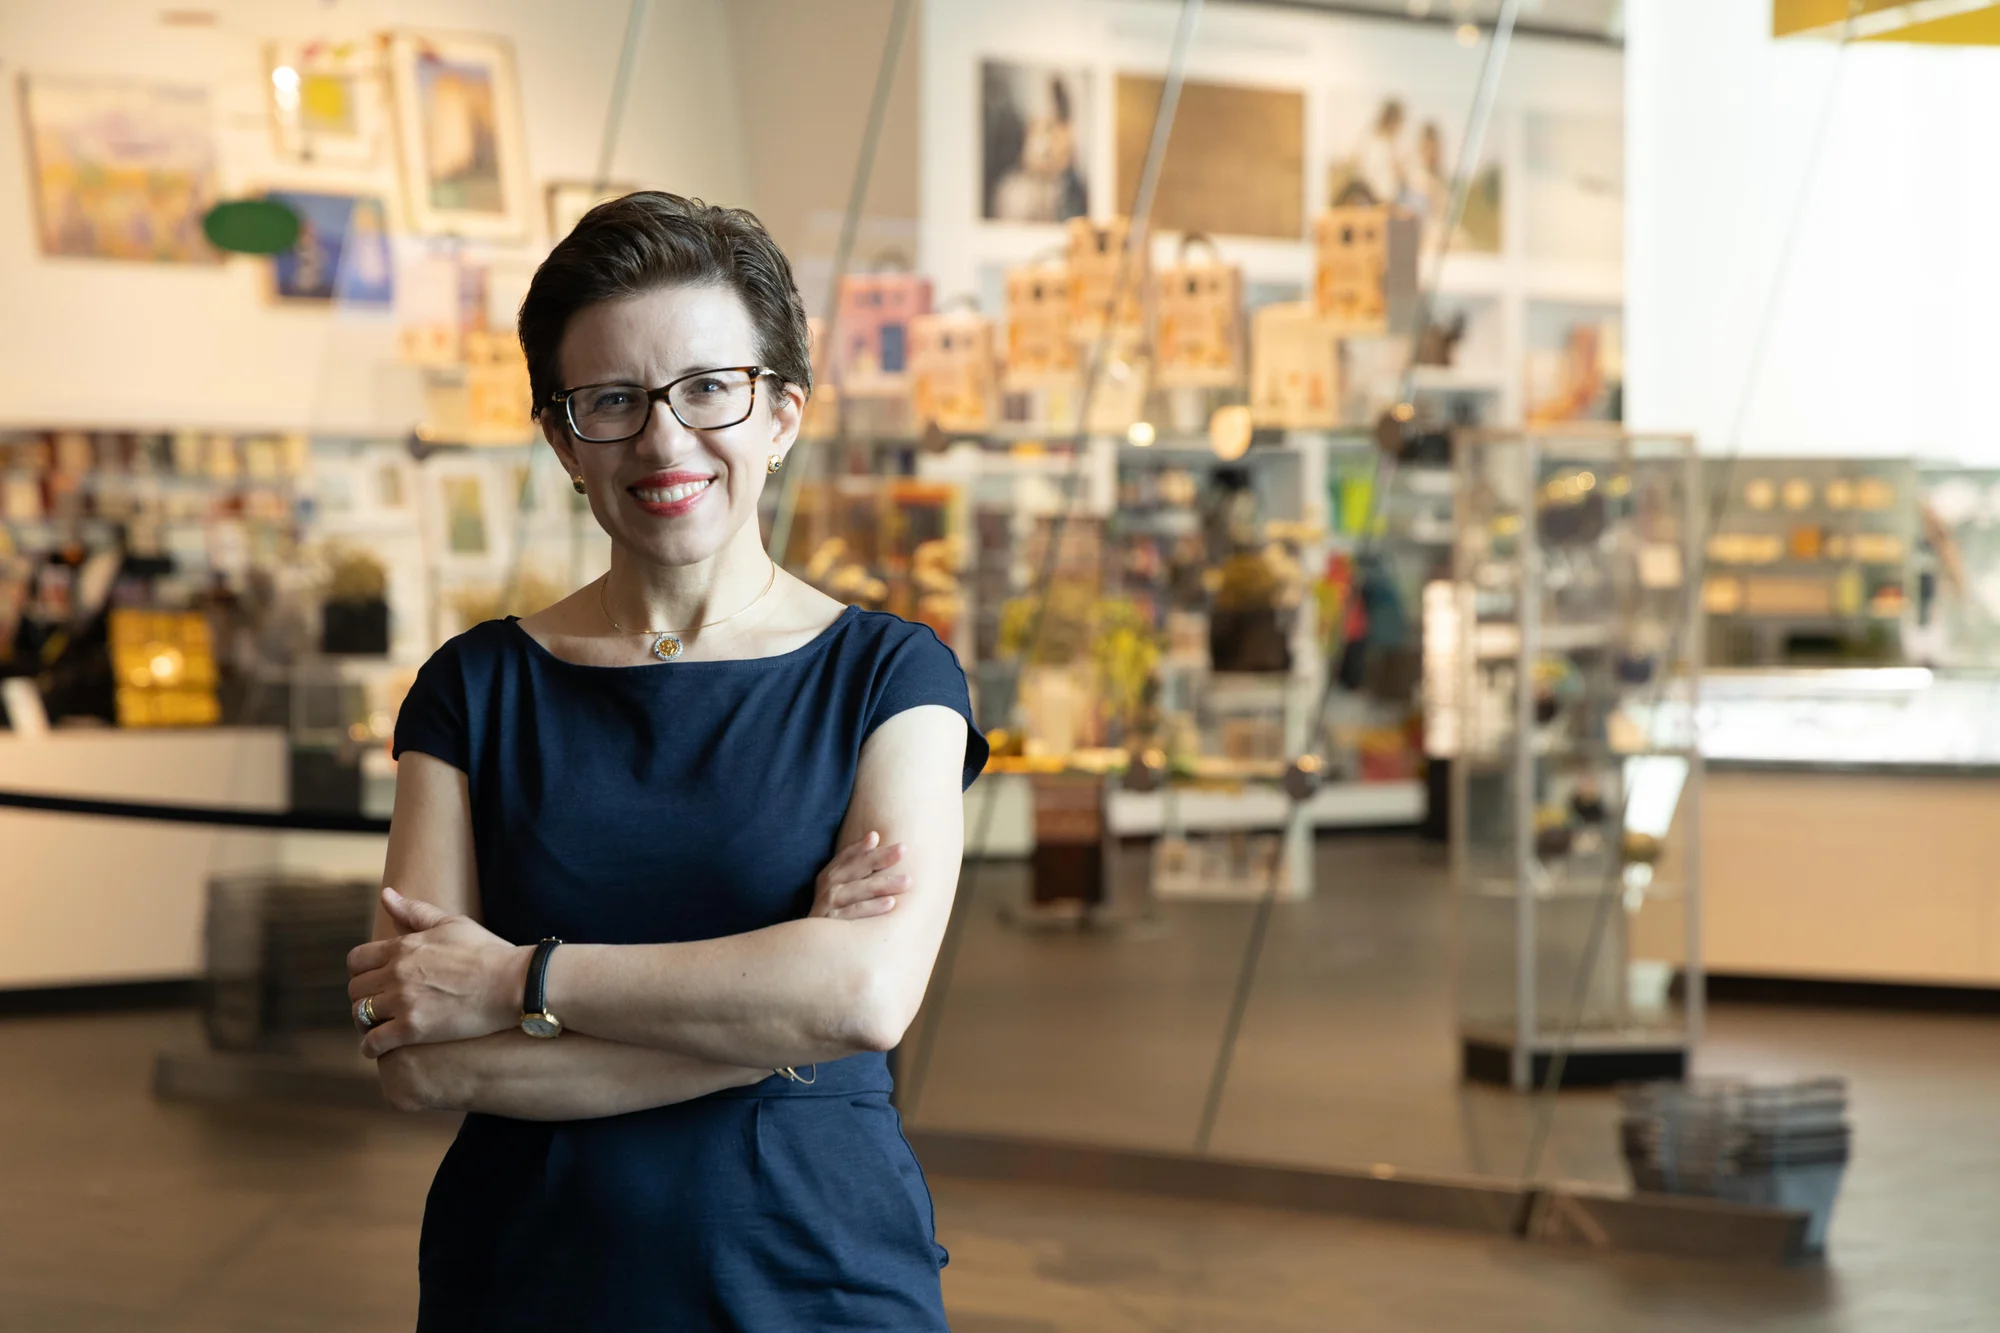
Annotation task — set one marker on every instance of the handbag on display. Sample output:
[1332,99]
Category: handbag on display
[1200,313]
[954,381]
[1365,268]
[873,331]
[1040,351]
[1096,258]
[1294,368]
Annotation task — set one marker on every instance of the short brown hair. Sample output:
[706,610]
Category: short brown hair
[649,240]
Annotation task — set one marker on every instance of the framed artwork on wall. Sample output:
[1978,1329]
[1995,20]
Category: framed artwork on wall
[1235,164]
[1036,141]
[120,170]
[1402,149]
[459,135]
[327,102]
[342,253]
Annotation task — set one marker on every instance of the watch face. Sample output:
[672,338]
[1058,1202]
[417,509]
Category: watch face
[540,1025]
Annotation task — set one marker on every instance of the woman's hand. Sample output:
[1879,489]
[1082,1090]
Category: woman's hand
[860,881]
[412,1080]
[443,978]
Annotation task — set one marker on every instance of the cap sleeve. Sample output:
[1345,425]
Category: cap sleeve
[432,720]
[921,670]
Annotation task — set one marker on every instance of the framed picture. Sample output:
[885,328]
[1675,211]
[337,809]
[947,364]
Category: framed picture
[568,201]
[1235,165]
[1401,149]
[1036,142]
[121,170]
[327,102]
[342,253]
[459,136]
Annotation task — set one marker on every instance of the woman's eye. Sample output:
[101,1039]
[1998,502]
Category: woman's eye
[611,399]
[708,386]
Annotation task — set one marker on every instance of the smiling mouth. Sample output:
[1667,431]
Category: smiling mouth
[666,495]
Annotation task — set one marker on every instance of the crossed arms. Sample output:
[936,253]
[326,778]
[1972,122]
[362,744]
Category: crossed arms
[654,1024]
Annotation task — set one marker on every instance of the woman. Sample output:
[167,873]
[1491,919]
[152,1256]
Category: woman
[680,1115]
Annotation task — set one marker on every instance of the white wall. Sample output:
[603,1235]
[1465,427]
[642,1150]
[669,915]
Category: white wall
[109,343]
[1884,337]
[1331,58]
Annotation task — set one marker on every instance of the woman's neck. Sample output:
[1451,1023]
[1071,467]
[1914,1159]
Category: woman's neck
[640,595]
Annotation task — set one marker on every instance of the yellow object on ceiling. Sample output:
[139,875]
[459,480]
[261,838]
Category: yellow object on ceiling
[1981,27]
[1932,22]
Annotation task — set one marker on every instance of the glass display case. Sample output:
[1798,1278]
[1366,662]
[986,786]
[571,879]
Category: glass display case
[1576,781]
[1891,719]
[1808,560]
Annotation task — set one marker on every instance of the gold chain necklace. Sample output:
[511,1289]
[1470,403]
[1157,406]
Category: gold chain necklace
[667,643]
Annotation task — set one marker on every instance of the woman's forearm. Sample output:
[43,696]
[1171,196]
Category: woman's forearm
[789,994]
[573,1077]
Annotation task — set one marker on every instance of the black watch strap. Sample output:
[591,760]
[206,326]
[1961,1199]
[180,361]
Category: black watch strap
[536,999]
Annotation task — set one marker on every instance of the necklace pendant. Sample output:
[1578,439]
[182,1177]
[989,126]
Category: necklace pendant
[667,647]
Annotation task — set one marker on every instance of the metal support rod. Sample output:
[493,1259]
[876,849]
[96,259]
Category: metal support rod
[910,1088]
[621,87]
[843,252]
[1239,1004]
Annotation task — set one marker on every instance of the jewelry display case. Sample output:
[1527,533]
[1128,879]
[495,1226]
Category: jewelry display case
[1808,560]
[1575,782]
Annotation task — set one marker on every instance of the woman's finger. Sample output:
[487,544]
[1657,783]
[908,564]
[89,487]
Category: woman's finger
[848,855]
[879,885]
[387,1036]
[861,911]
[375,983]
[367,957]
[870,863]
[412,914]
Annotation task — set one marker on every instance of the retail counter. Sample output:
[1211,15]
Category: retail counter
[1850,826]
[87,900]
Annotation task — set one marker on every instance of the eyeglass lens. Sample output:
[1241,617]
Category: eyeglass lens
[709,401]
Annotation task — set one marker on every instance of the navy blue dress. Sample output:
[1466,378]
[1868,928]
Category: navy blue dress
[658,804]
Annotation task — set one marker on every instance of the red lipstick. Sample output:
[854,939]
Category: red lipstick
[671,494]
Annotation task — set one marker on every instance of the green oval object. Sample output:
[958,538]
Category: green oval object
[251,226]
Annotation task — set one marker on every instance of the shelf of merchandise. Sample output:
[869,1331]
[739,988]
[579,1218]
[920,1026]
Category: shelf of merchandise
[1523,935]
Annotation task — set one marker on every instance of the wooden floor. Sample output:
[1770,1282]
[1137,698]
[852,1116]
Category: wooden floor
[121,1213]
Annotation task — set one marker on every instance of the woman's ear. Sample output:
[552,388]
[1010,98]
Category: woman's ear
[557,434]
[788,409]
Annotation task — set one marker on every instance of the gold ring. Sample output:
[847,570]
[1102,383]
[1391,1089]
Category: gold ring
[364,1013]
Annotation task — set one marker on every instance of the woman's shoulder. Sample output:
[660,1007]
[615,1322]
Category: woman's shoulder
[476,650]
[882,635]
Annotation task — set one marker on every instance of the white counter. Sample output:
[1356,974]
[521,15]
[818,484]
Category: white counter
[84,899]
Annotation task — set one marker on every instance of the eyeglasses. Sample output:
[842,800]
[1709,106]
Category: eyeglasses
[705,400]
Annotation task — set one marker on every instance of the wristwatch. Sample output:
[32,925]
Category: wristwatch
[536,1020]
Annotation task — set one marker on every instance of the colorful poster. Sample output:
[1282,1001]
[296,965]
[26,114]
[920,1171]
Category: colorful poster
[121,170]
[342,252]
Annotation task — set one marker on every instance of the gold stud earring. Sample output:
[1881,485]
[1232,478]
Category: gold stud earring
[777,461]
[578,483]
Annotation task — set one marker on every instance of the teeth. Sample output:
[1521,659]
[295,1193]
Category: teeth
[666,495]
